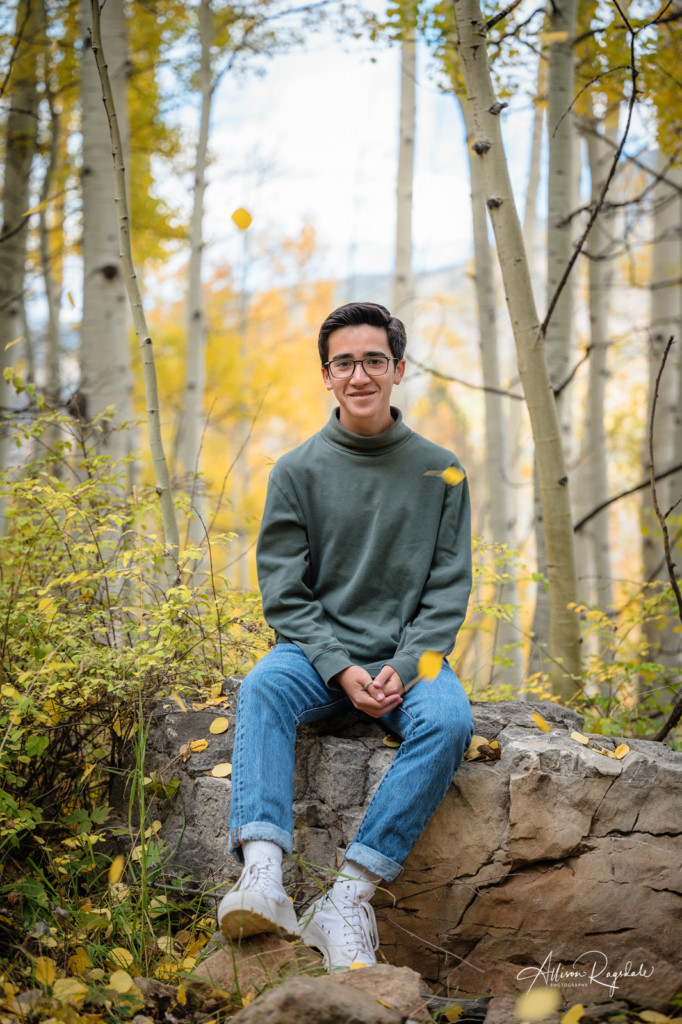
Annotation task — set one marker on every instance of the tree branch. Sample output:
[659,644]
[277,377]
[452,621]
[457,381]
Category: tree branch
[464,383]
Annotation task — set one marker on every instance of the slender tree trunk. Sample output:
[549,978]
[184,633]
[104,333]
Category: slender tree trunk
[593,542]
[192,422]
[500,504]
[20,147]
[666,321]
[52,285]
[530,347]
[403,297]
[106,379]
[163,482]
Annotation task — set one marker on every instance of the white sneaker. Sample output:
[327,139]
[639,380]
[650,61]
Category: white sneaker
[342,926]
[257,903]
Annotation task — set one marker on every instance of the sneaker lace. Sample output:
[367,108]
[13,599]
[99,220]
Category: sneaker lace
[256,877]
[359,924]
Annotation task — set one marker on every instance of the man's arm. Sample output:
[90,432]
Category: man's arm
[283,561]
[444,600]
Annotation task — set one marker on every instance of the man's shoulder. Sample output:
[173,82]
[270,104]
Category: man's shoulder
[427,449]
[298,457]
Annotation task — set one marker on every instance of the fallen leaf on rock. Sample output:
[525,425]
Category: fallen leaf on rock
[474,753]
[196,746]
[219,725]
[388,741]
[453,1013]
[573,1015]
[222,770]
[541,722]
[579,738]
[621,750]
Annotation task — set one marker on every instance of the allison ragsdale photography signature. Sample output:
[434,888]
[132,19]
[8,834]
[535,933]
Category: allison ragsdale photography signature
[590,968]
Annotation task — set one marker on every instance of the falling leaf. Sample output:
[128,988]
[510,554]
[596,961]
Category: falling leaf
[196,746]
[116,869]
[120,981]
[453,475]
[453,1012]
[430,664]
[219,725]
[179,701]
[356,965]
[579,738]
[541,722]
[243,219]
[15,342]
[621,750]
[537,1004]
[121,957]
[222,770]
[69,990]
[390,741]
[573,1015]
[45,970]
[553,37]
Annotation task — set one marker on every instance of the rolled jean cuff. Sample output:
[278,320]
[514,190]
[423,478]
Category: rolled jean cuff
[375,862]
[258,830]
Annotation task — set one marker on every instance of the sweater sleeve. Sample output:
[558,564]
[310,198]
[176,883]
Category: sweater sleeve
[283,563]
[443,603]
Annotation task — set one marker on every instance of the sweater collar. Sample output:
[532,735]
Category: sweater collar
[378,444]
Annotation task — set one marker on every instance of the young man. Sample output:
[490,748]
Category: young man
[364,563]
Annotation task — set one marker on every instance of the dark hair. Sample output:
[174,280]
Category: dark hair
[352,314]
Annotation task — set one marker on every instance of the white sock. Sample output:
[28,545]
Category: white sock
[366,882]
[258,850]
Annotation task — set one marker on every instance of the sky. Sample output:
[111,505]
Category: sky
[315,140]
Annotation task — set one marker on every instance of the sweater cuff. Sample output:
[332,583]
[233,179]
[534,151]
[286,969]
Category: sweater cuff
[330,663]
[405,665]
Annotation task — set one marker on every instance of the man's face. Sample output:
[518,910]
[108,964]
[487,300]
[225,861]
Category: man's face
[364,400]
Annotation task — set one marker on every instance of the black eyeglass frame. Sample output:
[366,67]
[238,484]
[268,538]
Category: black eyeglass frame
[347,376]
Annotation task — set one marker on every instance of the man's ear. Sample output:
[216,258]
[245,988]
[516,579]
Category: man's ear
[399,371]
[325,378]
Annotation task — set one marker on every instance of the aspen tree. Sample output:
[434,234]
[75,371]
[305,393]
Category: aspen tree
[530,348]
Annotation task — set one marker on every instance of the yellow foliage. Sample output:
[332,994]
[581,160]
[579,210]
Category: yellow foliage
[537,1004]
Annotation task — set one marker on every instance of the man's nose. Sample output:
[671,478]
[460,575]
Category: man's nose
[359,369]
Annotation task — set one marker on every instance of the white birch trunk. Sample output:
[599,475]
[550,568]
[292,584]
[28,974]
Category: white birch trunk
[530,347]
[105,358]
[403,298]
[593,542]
[666,320]
[500,503]
[192,421]
[163,483]
[560,185]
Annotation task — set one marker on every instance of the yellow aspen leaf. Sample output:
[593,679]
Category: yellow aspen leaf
[243,219]
[219,725]
[579,738]
[116,868]
[248,998]
[382,1002]
[453,1013]
[196,746]
[573,1015]
[166,944]
[388,741]
[541,723]
[181,994]
[120,981]
[15,342]
[121,957]
[79,961]
[430,664]
[356,965]
[222,770]
[216,689]
[453,475]
[473,753]
[69,990]
[537,1004]
[179,701]
[621,750]
[45,970]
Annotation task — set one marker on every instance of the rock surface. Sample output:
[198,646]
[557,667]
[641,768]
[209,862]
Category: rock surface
[317,1001]
[551,855]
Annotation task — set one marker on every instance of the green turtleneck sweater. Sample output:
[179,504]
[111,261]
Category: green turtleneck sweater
[362,559]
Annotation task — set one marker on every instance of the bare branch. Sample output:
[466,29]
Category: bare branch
[624,494]
[464,383]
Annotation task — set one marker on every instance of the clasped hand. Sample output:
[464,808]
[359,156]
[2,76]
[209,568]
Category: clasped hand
[376,697]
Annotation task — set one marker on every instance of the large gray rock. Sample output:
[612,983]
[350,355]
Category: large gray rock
[552,854]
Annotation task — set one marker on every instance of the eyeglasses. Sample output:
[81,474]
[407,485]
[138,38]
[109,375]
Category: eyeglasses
[374,366]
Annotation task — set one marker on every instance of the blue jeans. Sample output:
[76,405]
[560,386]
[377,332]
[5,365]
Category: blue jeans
[282,691]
